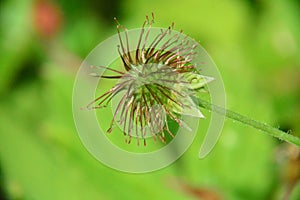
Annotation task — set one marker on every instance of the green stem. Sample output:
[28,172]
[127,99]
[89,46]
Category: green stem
[250,122]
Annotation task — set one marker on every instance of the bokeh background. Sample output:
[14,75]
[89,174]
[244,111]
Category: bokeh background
[255,44]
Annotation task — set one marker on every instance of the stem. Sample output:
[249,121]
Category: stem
[250,122]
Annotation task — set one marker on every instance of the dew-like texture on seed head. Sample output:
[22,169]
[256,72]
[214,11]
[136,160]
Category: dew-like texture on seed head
[157,84]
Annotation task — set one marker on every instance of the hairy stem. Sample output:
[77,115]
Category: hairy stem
[250,122]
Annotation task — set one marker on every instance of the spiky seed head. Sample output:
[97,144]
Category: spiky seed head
[157,84]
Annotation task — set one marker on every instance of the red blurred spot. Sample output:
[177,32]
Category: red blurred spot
[47,18]
[194,191]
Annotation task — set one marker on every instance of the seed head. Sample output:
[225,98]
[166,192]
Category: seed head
[156,85]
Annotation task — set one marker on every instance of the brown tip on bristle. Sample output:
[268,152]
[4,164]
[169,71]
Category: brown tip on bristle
[152,13]
[116,20]
[138,142]
[145,142]
[179,123]
[129,139]
[162,139]
[109,130]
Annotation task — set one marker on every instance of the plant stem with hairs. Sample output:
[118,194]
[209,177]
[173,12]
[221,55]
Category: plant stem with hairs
[267,129]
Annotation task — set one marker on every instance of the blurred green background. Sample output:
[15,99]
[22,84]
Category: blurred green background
[255,44]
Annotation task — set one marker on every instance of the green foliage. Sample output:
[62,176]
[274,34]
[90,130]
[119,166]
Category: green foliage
[257,52]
